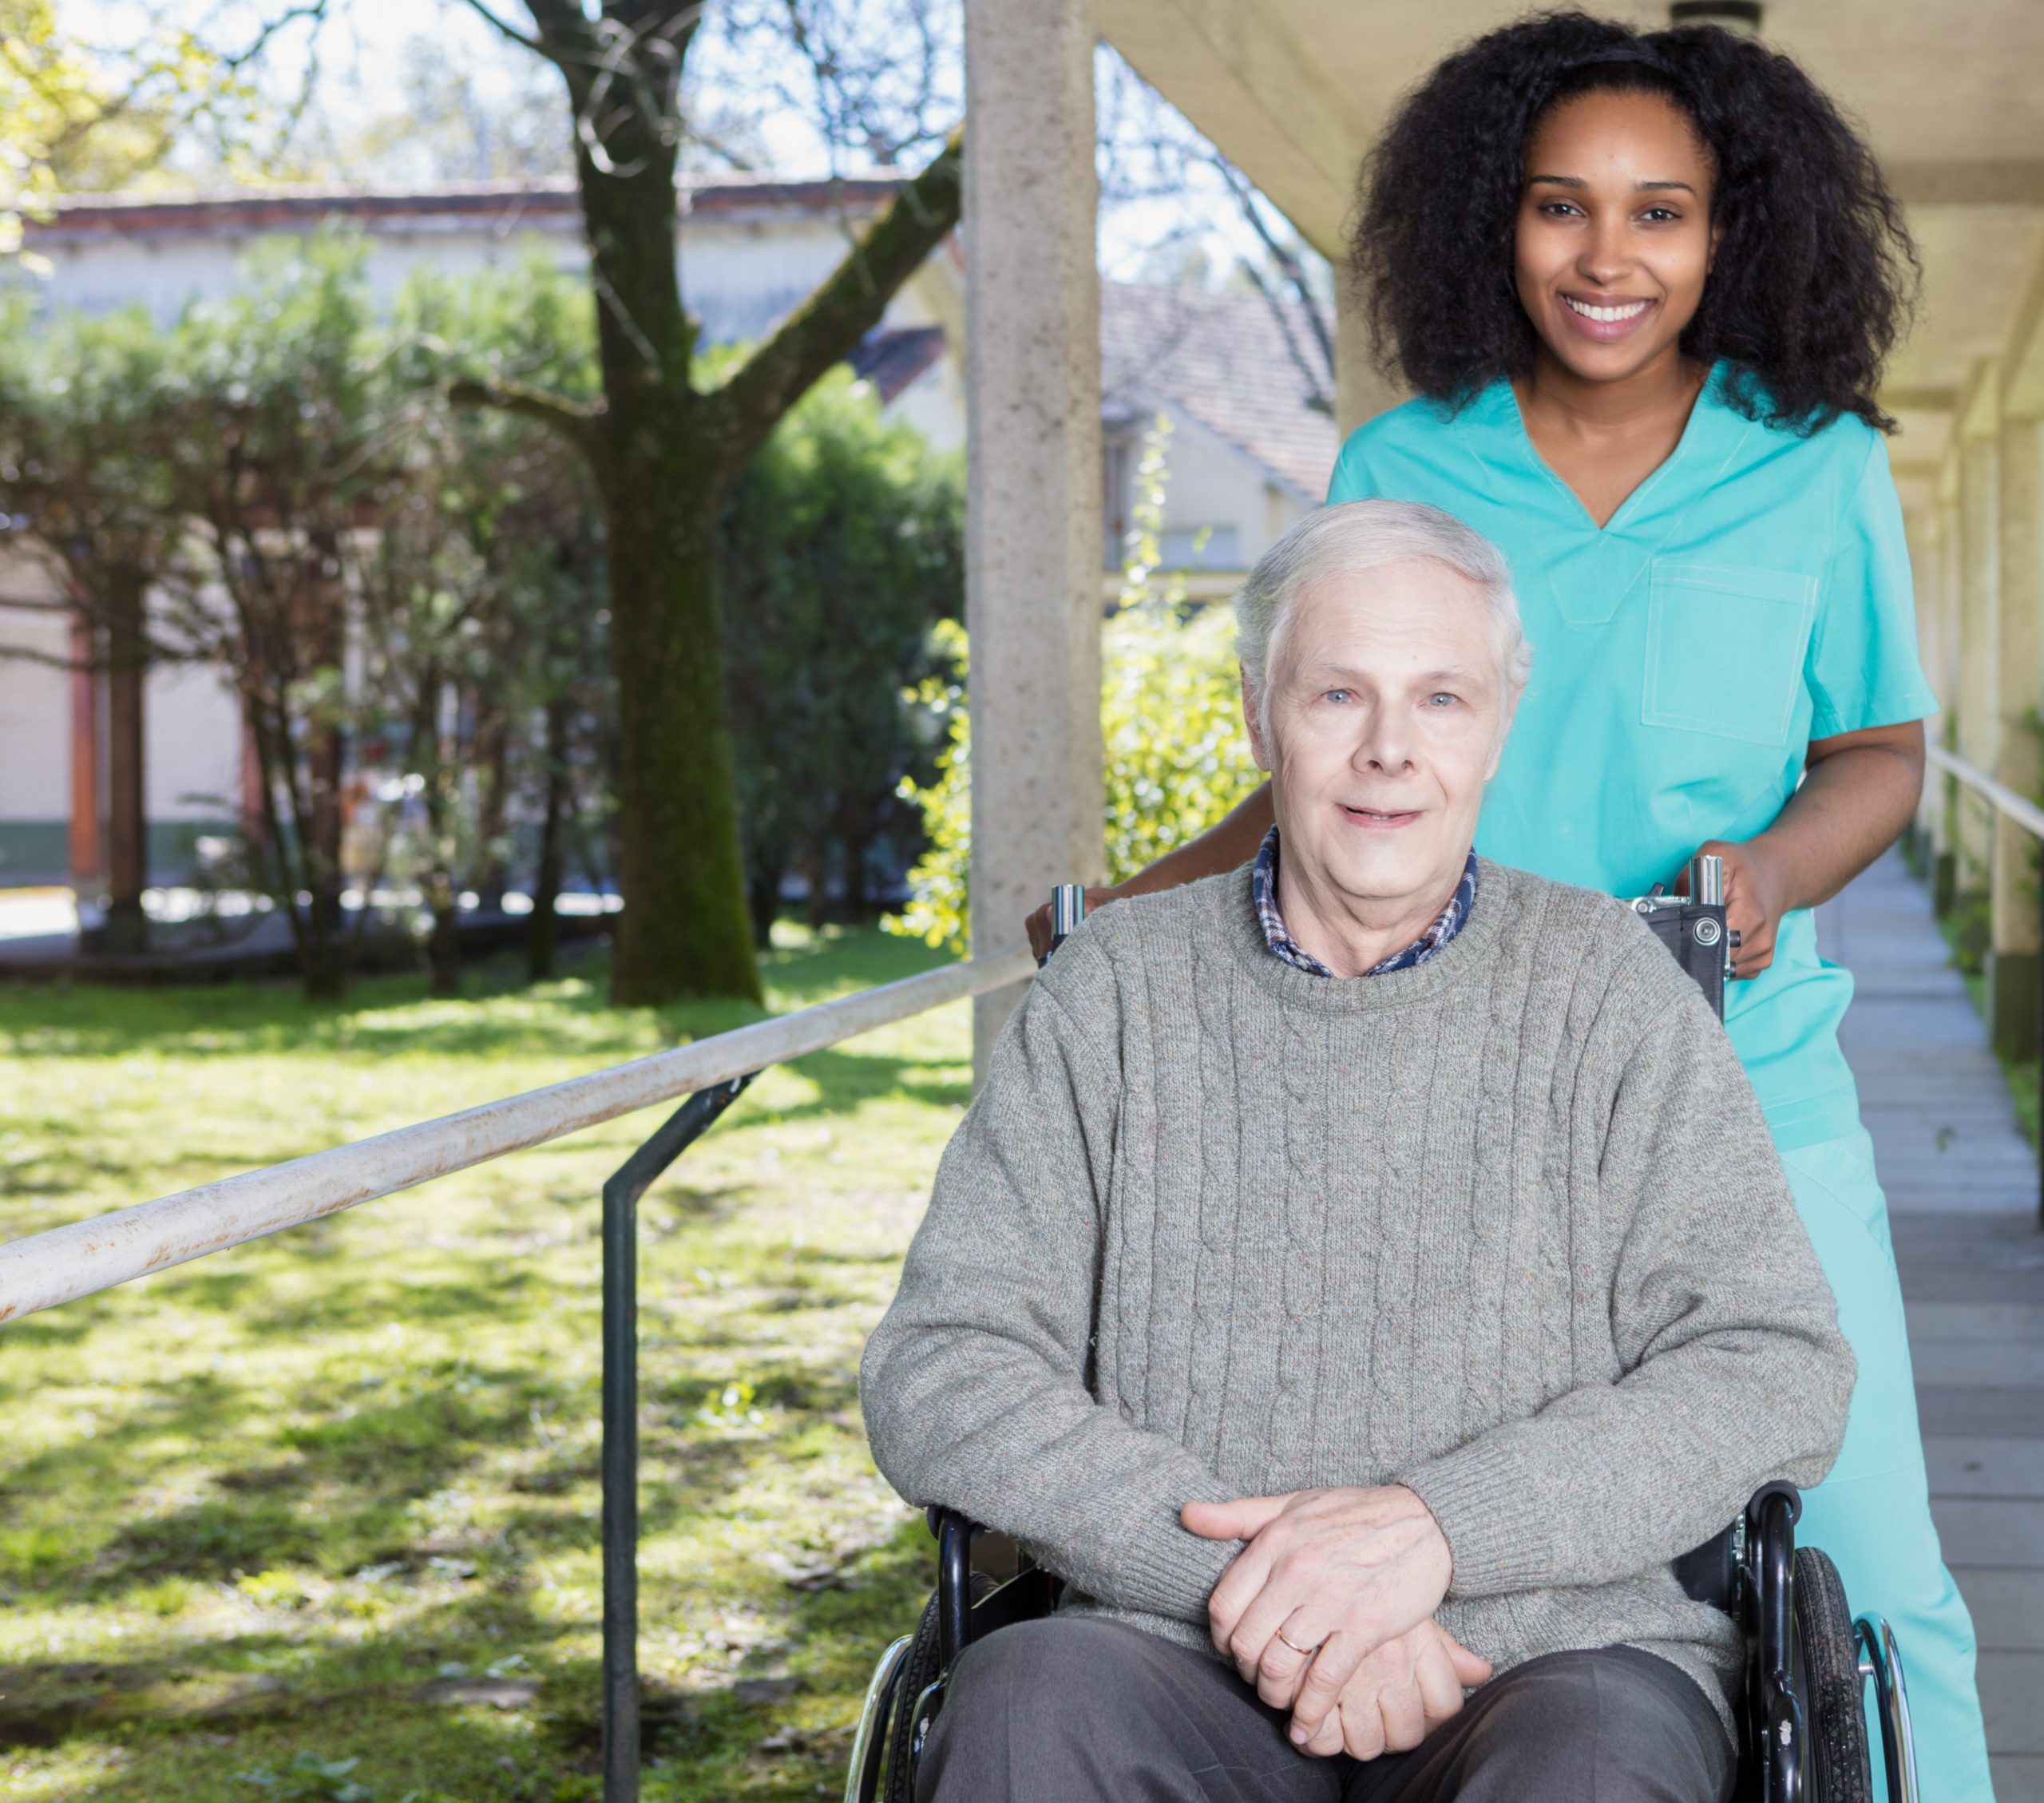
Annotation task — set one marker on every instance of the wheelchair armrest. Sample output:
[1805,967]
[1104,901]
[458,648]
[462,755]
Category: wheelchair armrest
[961,1618]
[955,1536]
[1710,1573]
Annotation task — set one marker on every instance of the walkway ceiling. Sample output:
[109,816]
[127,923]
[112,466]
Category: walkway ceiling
[1293,90]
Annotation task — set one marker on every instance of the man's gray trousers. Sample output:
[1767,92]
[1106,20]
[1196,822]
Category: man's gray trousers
[1076,1710]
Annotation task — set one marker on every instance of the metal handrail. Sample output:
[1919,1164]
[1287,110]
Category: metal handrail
[66,1263]
[2025,814]
[2018,811]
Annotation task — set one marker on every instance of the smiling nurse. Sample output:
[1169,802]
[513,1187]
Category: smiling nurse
[1643,285]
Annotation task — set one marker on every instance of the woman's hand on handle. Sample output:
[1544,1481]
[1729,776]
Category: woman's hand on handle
[1858,791]
[1754,901]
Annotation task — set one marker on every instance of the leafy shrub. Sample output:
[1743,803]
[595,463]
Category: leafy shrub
[1177,752]
[843,544]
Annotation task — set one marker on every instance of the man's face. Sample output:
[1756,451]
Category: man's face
[1387,711]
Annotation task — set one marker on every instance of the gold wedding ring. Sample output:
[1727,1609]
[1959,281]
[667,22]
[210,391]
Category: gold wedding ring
[1304,1652]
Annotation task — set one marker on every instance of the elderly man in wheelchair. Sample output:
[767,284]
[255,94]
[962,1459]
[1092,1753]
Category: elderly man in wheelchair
[1360,1280]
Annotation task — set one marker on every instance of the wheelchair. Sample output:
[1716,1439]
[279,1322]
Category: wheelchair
[1808,1659]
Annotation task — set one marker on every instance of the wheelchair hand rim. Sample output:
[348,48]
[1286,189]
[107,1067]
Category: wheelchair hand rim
[862,1775]
[1881,1658]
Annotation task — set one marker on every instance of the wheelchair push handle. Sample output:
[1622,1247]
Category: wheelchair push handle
[1067,910]
[1707,879]
[1693,926]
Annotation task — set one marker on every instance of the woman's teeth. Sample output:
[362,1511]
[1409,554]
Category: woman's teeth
[1608,315]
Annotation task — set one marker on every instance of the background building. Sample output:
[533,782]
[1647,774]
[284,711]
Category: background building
[1241,379]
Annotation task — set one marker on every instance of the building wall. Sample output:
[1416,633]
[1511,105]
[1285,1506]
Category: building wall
[740,274]
[192,752]
[1214,487]
[35,739]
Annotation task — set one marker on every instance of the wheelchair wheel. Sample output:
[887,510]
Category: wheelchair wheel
[1828,1681]
[919,1669]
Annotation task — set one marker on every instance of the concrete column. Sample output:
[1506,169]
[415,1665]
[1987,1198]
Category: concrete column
[2012,959]
[1033,528]
[1945,820]
[1921,527]
[1360,392]
[1979,628]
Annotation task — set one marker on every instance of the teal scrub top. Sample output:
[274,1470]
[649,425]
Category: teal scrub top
[1753,594]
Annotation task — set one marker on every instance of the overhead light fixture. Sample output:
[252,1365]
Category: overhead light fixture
[1741,16]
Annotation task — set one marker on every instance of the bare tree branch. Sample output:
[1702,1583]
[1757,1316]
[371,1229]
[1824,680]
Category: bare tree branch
[573,419]
[829,325]
[314,10]
[1288,263]
[498,22]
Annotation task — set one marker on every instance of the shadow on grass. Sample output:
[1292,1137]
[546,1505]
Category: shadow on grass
[499,1013]
[188,1721]
[333,1496]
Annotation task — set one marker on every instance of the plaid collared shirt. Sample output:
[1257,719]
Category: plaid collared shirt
[1263,885]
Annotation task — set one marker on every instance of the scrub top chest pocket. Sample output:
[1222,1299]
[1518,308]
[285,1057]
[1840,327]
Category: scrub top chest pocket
[1724,646]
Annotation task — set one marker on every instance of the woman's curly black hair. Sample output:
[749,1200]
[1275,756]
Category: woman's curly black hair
[1815,275]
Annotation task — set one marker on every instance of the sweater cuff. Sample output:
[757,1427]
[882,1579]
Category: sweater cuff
[1498,1541]
[1172,1571]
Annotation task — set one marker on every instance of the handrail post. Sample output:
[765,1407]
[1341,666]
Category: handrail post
[620,1410]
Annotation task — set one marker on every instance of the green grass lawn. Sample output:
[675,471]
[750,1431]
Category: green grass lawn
[268,1513]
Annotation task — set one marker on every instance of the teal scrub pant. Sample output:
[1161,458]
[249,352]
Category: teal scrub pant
[1872,1514]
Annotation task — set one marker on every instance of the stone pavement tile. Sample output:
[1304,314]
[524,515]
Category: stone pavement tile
[2010,1686]
[1955,1283]
[1976,1408]
[1990,1531]
[1962,1186]
[1999,1239]
[2007,1608]
[1985,1362]
[2016,1779]
[1984,1465]
[2004,1323]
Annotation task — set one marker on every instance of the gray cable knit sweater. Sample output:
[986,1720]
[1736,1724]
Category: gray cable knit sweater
[1506,1227]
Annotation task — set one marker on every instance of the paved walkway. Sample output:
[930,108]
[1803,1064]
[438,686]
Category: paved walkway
[1962,1188]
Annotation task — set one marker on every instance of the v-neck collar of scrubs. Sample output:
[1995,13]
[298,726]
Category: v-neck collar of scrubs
[1592,570]
[1498,407]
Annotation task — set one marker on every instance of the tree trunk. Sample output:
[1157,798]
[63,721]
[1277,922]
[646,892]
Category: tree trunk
[443,945]
[286,824]
[816,873]
[493,803]
[683,930]
[665,457]
[764,898]
[127,826]
[858,838]
[542,954]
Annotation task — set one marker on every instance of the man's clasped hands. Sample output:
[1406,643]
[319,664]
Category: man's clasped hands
[1352,1577]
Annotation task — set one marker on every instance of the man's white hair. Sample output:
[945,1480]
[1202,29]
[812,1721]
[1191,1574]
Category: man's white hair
[1360,535]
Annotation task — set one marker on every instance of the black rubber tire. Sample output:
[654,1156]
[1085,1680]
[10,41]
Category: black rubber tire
[1829,1684]
[919,1672]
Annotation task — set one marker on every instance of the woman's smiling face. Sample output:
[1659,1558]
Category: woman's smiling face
[1613,239]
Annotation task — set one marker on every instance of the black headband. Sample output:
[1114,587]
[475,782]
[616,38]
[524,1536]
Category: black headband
[1644,55]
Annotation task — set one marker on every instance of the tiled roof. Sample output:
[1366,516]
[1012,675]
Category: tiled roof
[890,358]
[246,209]
[1222,358]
